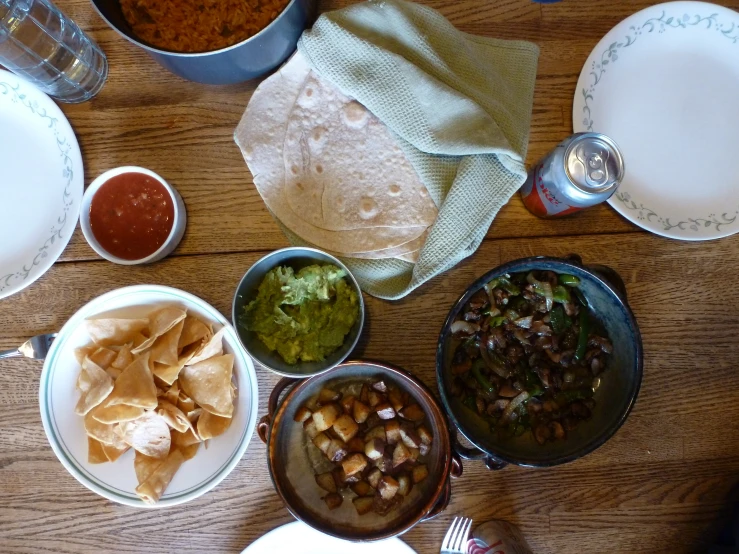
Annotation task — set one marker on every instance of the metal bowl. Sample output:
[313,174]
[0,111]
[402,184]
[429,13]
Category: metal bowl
[606,294]
[245,60]
[294,460]
[297,258]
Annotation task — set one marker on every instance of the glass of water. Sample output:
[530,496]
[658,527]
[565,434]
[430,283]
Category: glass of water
[41,44]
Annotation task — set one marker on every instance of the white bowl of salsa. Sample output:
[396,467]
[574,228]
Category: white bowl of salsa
[130,215]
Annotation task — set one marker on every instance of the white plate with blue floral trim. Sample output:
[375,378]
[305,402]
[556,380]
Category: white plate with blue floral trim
[298,538]
[66,432]
[41,183]
[663,84]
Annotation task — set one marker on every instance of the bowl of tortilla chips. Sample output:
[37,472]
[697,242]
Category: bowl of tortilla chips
[147,397]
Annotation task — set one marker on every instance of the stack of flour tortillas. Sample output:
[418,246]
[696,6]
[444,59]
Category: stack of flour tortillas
[330,171]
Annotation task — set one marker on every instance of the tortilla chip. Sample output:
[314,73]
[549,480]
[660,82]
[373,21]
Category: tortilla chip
[113,452]
[165,350]
[111,331]
[173,416]
[161,321]
[116,414]
[152,489]
[210,425]
[182,440]
[102,432]
[144,466]
[188,452]
[193,331]
[124,357]
[135,386]
[103,357]
[81,353]
[95,453]
[214,347]
[148,434]
[172,394]
[139,339]
[208,384]
[185,403]
[113,372]
[94,384]
[194,414]
[169,374]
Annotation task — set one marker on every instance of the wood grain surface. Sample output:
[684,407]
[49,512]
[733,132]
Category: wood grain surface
[663,483]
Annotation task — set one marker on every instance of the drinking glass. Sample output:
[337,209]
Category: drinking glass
[41,44]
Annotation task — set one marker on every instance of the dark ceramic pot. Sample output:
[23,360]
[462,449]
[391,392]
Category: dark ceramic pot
[606,294]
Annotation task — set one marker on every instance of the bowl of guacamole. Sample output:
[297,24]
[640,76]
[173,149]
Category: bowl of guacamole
[298,312]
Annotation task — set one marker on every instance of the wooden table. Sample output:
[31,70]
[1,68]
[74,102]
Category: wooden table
[660,485]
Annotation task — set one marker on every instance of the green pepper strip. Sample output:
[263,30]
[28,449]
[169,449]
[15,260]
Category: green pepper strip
[569,280]
[486,384]
[582,338]
[557,319]
[561,294]
[497,321]
[506,284]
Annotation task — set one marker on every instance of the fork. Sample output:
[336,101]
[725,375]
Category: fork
[36,347]
[455,541]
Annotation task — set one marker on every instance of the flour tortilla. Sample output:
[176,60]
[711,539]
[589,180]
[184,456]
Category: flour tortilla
[260,135]
[344,169]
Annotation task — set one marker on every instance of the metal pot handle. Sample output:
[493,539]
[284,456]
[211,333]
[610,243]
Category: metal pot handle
[608,274]
[274,397]
[491,462]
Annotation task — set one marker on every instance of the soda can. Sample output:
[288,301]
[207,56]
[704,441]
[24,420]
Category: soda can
[582,171]
[497,537]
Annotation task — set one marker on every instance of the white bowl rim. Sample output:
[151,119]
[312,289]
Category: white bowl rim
[92,189]
[249,373]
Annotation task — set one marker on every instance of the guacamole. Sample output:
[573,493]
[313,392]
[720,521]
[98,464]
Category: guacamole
[303,316]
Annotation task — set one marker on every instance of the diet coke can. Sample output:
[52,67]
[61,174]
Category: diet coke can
[582,171]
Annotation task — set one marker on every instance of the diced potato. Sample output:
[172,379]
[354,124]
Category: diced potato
[312,403]
[385,411]
[360,411]
[415,453]
[404,484]
[309,426]
[380,386]
[396,399]
[400,454]
[392,431]
[409,436]
[302,415]
[342,479]
[419,473]
[424,449]
[333,500]
[347,402]
[383,507]
[375,398]
[388,487]
[375,433]
[363,504]
[373,420]
[322,441]
[424,434]
[412,413]
[384,464]
[326,481]
[373,477]
[374,449]
[364,394]
[354,463]
[327,395]
[362,488]
[355,445]
[345,427]
[325,416]
[336,450]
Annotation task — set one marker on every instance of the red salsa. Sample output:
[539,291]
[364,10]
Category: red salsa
[131,215]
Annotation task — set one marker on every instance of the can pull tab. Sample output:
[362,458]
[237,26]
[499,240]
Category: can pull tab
[594,160]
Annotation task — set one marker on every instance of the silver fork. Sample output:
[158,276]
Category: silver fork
[455,541]
[36,347]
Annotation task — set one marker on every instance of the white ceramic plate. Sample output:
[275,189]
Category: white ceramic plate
[41,183]
[65,430]
[663,84]
[298,538]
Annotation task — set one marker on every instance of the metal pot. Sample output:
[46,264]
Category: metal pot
[292,458]
[249,58]
[605,292]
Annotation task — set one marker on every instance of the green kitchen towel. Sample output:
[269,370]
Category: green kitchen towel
[460,106]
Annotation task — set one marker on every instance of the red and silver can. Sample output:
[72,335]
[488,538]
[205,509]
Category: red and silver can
[582,171]
[497,537]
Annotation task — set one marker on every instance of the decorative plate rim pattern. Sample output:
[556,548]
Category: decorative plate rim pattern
[17,91]
[659,19]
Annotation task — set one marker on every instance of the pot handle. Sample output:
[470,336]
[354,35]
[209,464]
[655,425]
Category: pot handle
[274,397]
[442,503]
[491,462]
[608,274]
